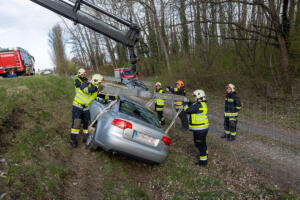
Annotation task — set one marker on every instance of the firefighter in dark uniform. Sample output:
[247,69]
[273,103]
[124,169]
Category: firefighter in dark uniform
[232,107]
[179,90]
[80,78]
[159,104]
[85,95]
[198,124]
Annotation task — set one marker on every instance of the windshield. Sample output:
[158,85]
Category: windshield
[129,72]
[139,113]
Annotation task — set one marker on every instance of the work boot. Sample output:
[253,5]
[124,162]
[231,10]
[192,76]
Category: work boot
[163,122]
[84,137]
[231,138]
[73,142]
[225,135]
[201,163]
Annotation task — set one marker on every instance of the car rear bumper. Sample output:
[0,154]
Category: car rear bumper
[115,141]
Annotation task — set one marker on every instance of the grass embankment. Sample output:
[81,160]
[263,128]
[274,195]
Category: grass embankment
[35,120]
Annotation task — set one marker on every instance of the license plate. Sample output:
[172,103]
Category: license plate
[145,138]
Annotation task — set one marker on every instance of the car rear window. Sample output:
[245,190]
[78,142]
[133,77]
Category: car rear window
[138,112]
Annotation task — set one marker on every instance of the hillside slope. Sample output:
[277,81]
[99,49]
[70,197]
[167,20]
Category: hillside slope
[35,117]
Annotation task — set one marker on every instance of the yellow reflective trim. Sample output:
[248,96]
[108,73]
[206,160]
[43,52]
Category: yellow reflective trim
[238,107]
[86,96]
[198,126]
[85,131]
[233,133]
[186,107]
[80,100]
[203,157]
[230,114]
[75,131]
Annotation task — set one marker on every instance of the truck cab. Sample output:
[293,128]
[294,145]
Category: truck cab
[124,73]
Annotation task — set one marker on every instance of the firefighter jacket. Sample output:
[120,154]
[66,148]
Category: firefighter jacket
[85,95]
[159,102]
[178,91]
[232,105]
[198,115]
[78,82]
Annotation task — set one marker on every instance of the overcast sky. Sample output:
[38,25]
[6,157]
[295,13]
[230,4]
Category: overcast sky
[26,24]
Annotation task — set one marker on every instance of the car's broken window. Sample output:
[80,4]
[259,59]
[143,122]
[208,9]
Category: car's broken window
[138,112]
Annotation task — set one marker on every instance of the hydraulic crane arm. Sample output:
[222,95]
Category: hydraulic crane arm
[72,11]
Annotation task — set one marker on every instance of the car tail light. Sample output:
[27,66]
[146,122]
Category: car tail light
[166,140]
[122,124]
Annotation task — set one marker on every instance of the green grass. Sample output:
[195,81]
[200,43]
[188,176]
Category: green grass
[35,119]
[30,110]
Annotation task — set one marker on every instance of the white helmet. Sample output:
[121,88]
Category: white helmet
[230,85]
[81,71]
[199,94]
[158,84]
[96,79]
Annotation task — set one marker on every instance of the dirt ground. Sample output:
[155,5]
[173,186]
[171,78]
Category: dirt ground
[274,157]
[83,180]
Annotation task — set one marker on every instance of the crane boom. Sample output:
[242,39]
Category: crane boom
[72,11]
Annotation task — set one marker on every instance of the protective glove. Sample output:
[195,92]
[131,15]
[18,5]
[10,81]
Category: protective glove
[93,89]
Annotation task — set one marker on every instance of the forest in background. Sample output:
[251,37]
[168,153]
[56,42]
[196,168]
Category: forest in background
[207,43]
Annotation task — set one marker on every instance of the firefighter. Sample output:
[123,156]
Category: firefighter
[232,107]
[179,90]
[198,124]
[80,78]
[85,95]
[159,104]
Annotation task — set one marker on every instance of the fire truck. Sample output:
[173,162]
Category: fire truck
[16,61]
[124,73]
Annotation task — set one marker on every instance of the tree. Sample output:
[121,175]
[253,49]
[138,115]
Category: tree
[57,46]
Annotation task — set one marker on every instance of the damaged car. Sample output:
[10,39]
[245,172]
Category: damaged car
[129,128]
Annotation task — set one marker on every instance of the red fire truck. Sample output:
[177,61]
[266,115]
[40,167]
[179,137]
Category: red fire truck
[124,73]
[16,61]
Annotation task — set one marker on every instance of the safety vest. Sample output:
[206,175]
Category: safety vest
[84,99]
[159,103]
[199,120]
[80,80]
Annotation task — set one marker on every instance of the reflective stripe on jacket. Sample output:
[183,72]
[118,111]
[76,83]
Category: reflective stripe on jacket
[232,105]
[159,103]
[83,97]
[178,91]
[198,116]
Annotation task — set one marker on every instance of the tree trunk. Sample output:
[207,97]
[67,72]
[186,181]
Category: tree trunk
[163,45]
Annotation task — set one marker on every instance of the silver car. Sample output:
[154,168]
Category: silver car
[131,129]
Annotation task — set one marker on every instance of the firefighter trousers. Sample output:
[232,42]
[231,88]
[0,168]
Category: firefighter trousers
[79,115]
[184,120]
[200,143]
[230,124]
[160,115]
